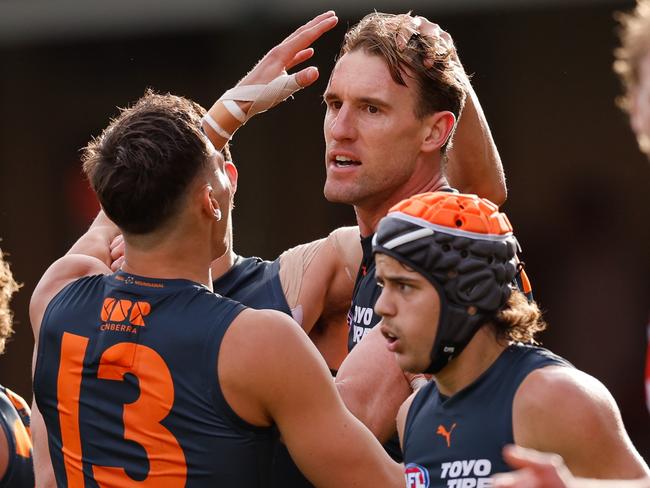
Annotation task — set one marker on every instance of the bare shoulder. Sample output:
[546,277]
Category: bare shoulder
[347,242]
[566,411]
[555,389]
[318,277]
[266,325]
[62,272]
[267,342]
[343,245]
[260,351]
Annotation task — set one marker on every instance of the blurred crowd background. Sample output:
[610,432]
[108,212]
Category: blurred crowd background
[578,186]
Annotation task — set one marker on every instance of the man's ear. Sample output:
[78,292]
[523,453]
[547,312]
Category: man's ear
[209,204]
[438,128]
[233,174]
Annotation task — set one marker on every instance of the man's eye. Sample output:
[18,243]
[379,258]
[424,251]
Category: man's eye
[380,284]
[372,109]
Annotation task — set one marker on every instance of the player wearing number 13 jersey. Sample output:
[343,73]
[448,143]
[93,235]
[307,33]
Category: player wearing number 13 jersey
[145,376]
[125,375]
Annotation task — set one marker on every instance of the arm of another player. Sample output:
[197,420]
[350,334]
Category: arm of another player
[401,418]
[318,277]
[292,51]
[89,255]
[543,470]
[565,411]
[271,373]
[372,385]
[473,161]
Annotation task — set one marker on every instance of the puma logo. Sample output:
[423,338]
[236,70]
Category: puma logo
[446,433]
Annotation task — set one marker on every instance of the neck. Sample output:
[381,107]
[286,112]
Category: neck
[223,264]
[369,214]
[172,254]
[474,360]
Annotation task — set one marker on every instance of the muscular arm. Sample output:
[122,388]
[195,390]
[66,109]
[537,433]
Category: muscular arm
[319,277]
[89,255]
[565,411]
[372,385]
[401,419]
[263,384]
[473,161]
[317,281]
[474,164]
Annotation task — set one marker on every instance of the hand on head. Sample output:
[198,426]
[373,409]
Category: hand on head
[437,37]
[117,252]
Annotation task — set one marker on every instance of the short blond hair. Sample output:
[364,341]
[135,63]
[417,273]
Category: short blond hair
[634,32]
[8,287]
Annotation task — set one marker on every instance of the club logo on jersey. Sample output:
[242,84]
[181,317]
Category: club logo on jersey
[416,476]
[442,431]
[123,315]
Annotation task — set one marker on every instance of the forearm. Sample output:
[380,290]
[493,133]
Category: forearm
[474,164]
[97,240]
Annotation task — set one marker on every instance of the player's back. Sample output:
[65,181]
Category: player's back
[126,380]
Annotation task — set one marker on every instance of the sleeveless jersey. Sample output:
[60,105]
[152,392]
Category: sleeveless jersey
[457,441]
[126,380]
[14,418]
[362,316]
[256,283]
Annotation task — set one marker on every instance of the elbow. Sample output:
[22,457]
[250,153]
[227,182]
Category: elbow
[362,408]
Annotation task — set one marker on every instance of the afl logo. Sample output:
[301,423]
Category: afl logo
[416,476]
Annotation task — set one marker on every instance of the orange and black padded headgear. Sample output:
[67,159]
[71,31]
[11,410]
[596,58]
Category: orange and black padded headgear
[465,247]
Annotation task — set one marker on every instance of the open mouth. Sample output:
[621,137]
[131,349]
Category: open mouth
[390,338]
[345,162]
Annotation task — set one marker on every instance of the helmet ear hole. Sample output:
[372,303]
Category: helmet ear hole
[472,310]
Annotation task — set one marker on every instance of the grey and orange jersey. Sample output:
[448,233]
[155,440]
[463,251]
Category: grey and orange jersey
[126,380]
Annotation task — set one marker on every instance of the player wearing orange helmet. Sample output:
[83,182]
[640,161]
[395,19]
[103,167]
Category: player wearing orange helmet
[449,307]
